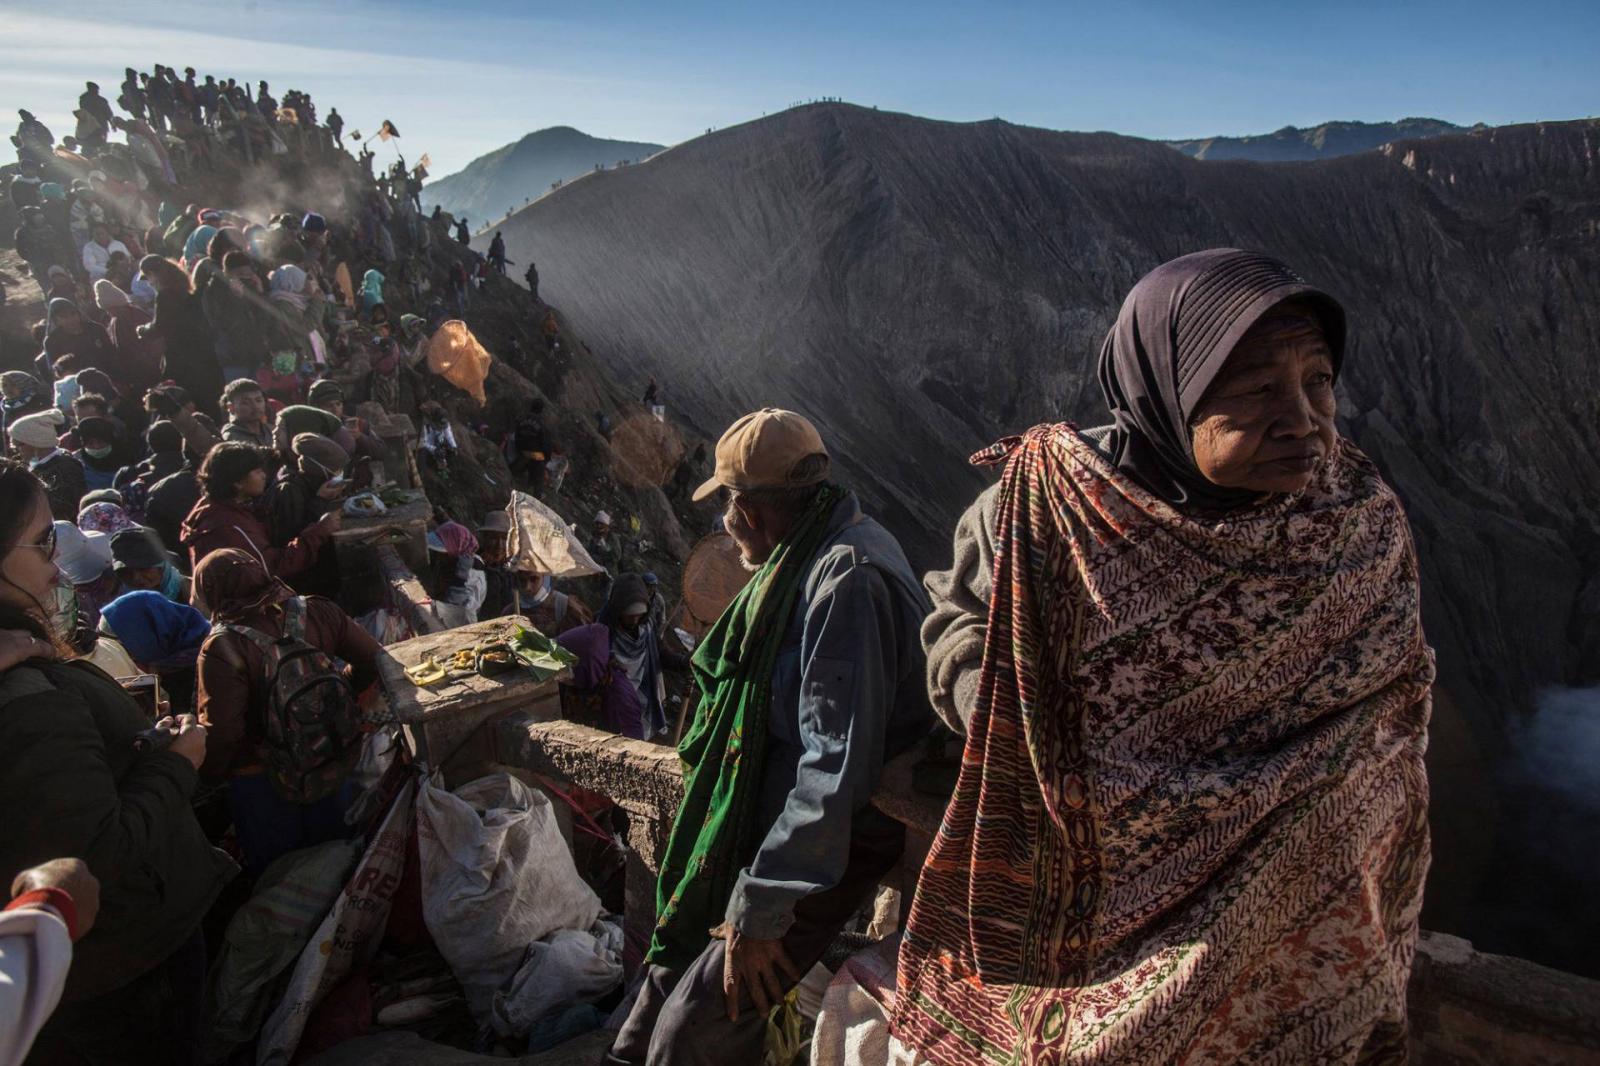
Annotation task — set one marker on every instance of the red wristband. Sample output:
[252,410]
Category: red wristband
[56,899]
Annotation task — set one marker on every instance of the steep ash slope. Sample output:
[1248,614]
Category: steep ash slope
[1326,141]
[924,287]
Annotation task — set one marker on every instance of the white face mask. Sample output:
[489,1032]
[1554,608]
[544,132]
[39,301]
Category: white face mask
[542,593]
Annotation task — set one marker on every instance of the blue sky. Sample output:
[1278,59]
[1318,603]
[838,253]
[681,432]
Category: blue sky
[460,79]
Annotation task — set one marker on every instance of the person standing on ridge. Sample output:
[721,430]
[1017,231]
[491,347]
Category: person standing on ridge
[818,667]
[532,276]
[497,252]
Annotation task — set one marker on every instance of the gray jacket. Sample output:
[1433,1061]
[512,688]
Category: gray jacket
[848,694]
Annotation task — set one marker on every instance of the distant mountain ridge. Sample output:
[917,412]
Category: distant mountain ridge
[486,187]
[1331,139]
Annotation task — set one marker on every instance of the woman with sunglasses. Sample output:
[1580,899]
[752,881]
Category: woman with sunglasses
[77,779]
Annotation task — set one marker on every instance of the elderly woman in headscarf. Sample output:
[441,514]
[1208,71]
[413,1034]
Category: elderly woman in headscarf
[234,687]
[1187,655]
[163,637]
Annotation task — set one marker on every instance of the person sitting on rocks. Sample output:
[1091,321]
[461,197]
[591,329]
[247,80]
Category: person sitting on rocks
[437,445]
[98,251]
[98,452]
[246,405]
[142,564]
[34,439]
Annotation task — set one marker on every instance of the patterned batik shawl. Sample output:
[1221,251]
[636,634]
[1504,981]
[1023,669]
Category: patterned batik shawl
[1191,818]
[724,748]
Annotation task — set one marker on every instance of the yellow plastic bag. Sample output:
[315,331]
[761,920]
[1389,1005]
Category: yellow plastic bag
[455,355]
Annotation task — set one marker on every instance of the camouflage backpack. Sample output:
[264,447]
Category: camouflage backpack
[313,724]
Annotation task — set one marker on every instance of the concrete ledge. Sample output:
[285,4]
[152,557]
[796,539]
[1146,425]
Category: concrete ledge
[644,779]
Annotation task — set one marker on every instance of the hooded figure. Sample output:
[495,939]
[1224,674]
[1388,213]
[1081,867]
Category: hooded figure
[242,594]
[194,249]
[371,290]
[85,339]
[160,635]
[636,647]
[99,454]
[610,698]
[136,361]
[23,395]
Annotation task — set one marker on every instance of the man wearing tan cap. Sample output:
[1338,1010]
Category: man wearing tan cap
[810,680]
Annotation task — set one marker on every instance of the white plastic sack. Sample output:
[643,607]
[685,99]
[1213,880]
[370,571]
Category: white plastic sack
[496,876]
[566,968]
[543,542]
[347,938]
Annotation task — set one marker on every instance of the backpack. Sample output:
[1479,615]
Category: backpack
[313,725]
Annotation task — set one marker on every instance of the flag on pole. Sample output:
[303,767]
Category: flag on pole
[387,130]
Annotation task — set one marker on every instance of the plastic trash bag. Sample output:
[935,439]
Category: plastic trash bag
[496,876]
[566,968]
[267,934]
[348,937]
[455,355]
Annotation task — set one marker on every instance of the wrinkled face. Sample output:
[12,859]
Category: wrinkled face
[248,407]
[28,573]
[743,524]
[1266,422]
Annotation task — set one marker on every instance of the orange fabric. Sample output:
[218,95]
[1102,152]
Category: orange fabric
[455,355]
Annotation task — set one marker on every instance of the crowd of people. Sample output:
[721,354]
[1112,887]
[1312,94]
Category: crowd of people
[1184,648]
[182,459]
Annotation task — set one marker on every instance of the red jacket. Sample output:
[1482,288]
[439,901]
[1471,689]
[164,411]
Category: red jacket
[215,524]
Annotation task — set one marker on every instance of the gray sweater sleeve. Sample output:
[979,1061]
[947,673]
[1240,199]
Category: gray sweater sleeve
[953,634]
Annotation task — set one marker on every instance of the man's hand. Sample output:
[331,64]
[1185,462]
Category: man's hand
[754,964]
[72,876]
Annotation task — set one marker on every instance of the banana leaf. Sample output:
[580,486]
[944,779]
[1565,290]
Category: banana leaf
[539,653]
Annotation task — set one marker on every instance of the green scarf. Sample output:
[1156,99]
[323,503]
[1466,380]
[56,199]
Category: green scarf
[724,749]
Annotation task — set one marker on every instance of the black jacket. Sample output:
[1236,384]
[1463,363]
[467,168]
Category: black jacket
[72,785]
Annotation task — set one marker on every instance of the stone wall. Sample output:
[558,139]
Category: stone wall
[1468,1008]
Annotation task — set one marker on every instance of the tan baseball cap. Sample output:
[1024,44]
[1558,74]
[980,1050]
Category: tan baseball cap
[761,451]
